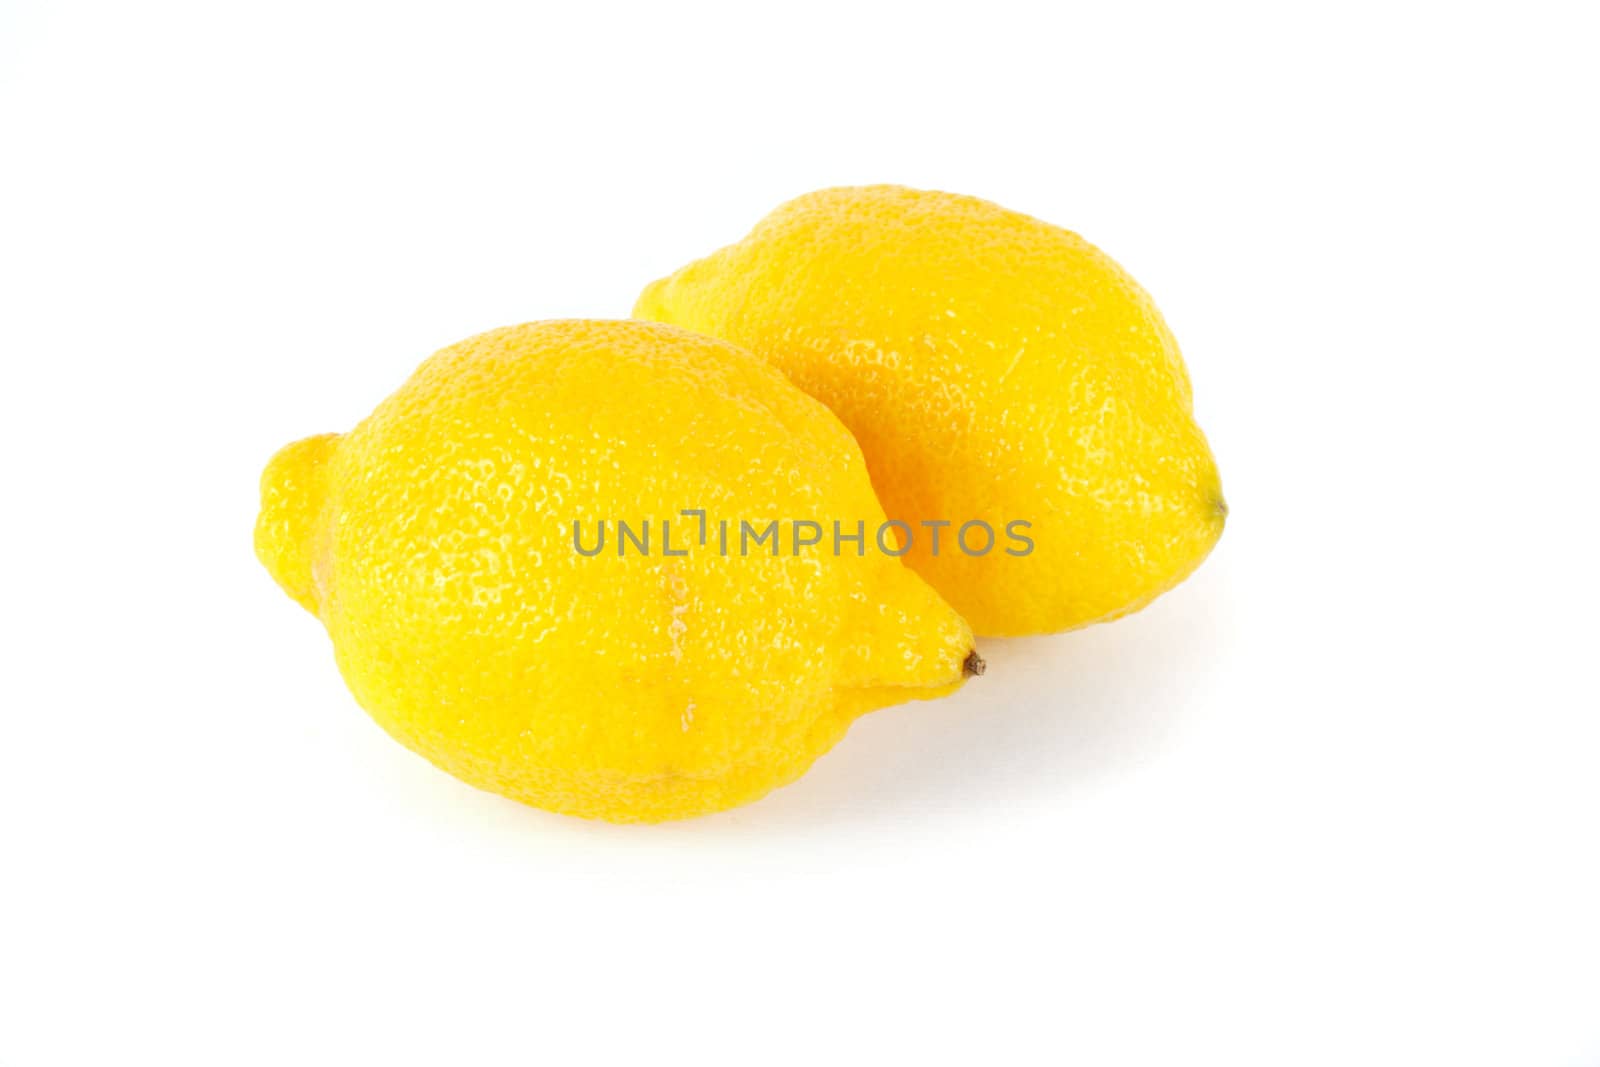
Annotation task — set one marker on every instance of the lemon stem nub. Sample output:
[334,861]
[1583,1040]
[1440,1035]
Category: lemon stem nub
[973,665]
[293,488]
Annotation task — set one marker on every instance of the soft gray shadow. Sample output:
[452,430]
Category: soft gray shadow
[1052,715]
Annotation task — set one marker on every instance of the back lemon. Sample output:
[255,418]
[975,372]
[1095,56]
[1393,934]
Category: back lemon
[996,370]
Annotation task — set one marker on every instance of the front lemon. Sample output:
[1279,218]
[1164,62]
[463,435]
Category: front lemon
[449,545]
[996,370]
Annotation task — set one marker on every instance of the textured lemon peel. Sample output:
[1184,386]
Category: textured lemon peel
[467,628]
[1016,372]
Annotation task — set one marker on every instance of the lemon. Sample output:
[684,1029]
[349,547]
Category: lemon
[1001,374]
[449,545]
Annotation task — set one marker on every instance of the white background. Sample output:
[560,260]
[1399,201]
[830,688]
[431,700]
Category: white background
[1334,801]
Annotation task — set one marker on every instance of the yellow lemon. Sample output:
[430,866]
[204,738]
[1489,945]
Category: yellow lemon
[529,561]
[1001,374]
